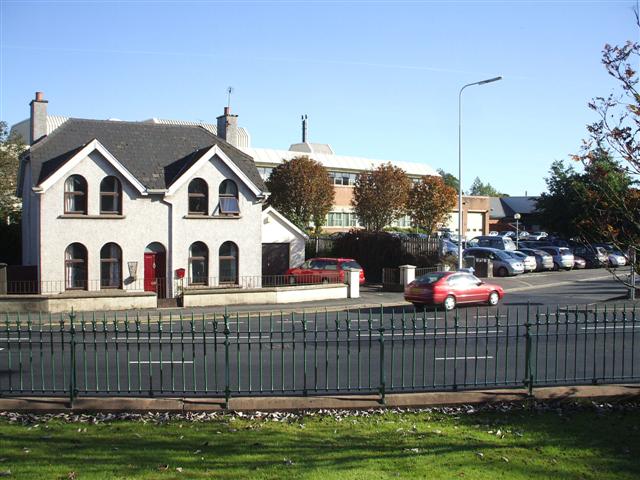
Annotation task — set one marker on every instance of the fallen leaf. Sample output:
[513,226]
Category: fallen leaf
[179,469]
[72,476]
[480,454]
[505,459]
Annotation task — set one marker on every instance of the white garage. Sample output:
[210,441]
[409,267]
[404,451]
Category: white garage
[475,224]
[282,243]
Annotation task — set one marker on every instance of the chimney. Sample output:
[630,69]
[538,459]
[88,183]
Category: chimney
[304,129]
[228,127]
[38,120]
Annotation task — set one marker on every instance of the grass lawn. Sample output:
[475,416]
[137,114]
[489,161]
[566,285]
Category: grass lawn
[520,444]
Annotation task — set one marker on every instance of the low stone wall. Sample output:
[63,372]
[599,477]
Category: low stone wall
[207,297]
[79,301]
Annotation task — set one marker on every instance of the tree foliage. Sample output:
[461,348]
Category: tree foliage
[380,196]
[302,191]
[449,179]
[430,202]
[11,146]
[484,189]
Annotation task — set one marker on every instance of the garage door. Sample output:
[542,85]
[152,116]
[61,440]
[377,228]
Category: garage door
[475,224]
[275,258]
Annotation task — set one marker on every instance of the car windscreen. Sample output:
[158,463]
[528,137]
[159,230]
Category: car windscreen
[429,278]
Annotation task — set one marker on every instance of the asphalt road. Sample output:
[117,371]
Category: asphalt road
[316,351]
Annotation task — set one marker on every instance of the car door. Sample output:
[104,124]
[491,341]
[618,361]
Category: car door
[477,290]
[459,287]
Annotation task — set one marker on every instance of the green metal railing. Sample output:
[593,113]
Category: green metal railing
[375,351]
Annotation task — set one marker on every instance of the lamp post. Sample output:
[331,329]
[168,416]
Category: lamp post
[483,82]
[517,217]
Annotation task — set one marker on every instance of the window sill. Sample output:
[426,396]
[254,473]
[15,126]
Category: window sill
[109,216]
[210,217]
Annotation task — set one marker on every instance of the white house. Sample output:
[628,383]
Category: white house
[128,205]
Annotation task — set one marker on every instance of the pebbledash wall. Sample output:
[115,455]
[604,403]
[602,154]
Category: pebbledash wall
[144,220]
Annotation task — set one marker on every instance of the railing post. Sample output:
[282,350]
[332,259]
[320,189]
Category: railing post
[304,354]
[528,380]
[72,359]
[382,369]
[227,387]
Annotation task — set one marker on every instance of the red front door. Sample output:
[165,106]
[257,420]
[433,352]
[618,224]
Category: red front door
[154,273]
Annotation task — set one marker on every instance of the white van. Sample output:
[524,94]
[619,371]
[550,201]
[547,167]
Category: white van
[493,241]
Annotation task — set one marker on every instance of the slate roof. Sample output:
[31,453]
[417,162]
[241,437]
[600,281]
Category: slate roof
[502,207]
[155,154]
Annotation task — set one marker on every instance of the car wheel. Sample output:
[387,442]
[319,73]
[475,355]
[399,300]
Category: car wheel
[503,272]
[292,280]
[449,303]
[494,298]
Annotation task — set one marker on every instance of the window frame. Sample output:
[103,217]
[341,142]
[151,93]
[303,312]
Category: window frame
[222,196]
[117,261]
[71,263]
[198,196]
[117,195]
[225,258]
[72,194]
[205,261]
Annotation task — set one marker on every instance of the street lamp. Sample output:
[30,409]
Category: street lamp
[483,82]
[517,217]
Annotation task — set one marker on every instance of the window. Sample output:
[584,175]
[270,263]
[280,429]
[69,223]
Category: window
[110,196]
[198,197]
[228,263]
[111,266]
[198,264]
[229,198]
[75,195]
[75,267]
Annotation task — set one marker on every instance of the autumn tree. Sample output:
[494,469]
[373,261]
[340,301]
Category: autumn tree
[380,196]
[430,202]
[11,146]
[302,191]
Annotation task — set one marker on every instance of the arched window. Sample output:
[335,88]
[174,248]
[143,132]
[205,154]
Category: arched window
[198,197]
[111,266]
[110,196]
[228,194]
[228,263]
[75,195]
[198,264]
[75,267]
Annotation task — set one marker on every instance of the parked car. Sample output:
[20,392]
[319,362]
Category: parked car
[323,270]
[562,257]
[594,257]
[544,261]
[579,262]
[529,261]
[492,241]
[447,247]
[503,263]
[615,258]
[450,289]
[537,235]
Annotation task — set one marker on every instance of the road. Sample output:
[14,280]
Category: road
[316,351]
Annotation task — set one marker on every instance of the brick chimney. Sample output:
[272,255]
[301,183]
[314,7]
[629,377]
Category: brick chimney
[38,119]
[228,127]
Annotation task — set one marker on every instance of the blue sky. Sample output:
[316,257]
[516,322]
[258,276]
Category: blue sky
[378,79]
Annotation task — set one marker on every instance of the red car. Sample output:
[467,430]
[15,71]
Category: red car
[450,289]
[323,270]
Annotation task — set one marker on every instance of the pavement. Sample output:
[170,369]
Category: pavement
[403,400]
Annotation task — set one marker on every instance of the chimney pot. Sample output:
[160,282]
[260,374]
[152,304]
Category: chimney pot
[39,96]
[227,110]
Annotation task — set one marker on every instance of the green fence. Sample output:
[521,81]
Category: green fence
[373,351]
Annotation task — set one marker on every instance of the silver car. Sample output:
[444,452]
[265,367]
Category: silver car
[562,257]
[529,261]
[544,261]
[503,263]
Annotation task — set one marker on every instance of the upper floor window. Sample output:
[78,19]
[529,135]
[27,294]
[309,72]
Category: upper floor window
[228,194]
[75,266]
[111,266]
[75,195]
[111,196]
[198,197]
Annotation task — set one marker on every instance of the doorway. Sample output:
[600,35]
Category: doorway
[155,269]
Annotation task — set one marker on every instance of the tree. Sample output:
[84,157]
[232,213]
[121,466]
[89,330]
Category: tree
[380,196]
[430,202]
[302,191]
[11,146]
[449,179]
[484,189]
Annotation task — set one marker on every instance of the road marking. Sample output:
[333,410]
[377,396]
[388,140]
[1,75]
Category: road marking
[155,362]
[463,358]
[452,333]
[619,327]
